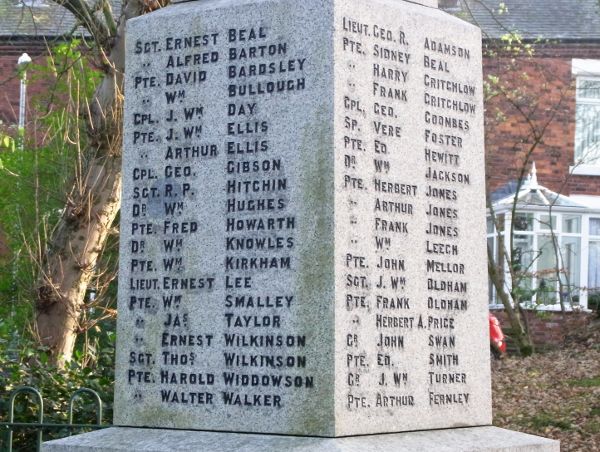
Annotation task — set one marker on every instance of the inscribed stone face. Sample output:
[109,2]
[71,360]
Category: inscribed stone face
[302,236]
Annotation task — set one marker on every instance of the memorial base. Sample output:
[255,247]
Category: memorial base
[451,440]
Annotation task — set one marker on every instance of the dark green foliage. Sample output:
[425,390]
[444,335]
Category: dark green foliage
[30,367]
[594,302]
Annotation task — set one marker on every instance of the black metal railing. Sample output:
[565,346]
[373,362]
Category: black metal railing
[7,428]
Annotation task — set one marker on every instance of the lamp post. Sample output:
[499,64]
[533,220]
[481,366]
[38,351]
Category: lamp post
[22,64]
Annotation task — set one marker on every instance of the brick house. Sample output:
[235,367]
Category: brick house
[542,70]
[565,37]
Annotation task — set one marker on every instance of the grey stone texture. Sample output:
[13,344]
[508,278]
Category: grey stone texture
[303,231]
[473,439]
[430,3]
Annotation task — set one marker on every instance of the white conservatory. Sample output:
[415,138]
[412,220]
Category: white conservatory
[571,270]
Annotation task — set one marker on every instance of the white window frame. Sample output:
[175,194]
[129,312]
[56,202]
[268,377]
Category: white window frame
[589,238]
[585,70]
[536,232]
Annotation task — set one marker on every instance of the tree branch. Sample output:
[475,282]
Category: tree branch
[82,11]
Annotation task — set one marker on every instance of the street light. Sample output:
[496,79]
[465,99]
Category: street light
[22,64]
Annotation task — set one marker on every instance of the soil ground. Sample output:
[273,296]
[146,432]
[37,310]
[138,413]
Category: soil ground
[555,394]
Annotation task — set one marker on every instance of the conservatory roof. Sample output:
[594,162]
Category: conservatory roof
[533,195]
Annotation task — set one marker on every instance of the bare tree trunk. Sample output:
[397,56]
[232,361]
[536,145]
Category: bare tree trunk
[520,332]
[79,237]
[71,256]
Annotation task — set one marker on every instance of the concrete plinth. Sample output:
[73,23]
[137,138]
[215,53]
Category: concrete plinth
[451,440]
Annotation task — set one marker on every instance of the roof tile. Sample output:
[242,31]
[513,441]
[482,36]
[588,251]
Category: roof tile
[535,19]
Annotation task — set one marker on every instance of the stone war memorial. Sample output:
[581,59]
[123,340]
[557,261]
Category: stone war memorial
[303,256]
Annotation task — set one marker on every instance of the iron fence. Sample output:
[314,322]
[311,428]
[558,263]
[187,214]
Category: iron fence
[7,428]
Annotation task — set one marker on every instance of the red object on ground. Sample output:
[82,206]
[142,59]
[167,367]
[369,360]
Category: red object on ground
[497,338]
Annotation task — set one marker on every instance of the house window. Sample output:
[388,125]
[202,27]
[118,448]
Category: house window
[586,159]
[587,121]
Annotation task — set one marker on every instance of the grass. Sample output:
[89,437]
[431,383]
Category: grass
[543,420]
[586,382]
[593,427]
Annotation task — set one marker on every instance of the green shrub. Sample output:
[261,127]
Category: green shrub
[30,368]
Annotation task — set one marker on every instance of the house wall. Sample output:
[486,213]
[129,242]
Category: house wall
[535,109]
[549,329]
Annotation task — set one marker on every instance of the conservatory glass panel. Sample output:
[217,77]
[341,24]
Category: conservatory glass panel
[571,224]
[547,257]
[546,270]
[523,222]
[571,257]
[523,253]
[594,226]
[594,267]
[490,225]
[545,222]
[523,257]
[500,222]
